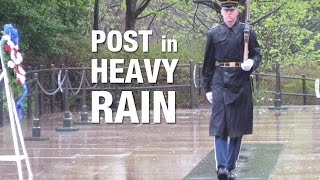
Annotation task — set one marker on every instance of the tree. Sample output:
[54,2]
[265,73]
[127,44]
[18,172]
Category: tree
[290,36]
[96,15]
[46,26]
[133,11]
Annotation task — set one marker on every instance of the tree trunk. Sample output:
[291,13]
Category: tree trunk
[133,11]
[96,15]
[131,14]
[242,14]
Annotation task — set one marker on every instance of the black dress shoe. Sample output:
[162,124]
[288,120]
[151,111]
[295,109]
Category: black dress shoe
[222,173]
[231,175]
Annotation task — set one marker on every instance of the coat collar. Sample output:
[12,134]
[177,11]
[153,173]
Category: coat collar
[235,28]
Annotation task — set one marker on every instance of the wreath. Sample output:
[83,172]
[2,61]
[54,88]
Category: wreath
[11,54]
[12,59]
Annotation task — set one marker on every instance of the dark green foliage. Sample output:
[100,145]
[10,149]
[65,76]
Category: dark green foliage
[45,26]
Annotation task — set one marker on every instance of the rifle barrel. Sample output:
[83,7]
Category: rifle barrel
[247,10]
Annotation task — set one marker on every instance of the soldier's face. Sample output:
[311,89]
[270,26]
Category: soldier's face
[229,15]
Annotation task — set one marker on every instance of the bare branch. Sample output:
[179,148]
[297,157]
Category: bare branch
[155,29]
[153,18]
[150,14]
[153,13]
[213,5]
[114,5]
[194,16]
[313,26]
[268,14]
[202,22]
[142,6]
[214,20]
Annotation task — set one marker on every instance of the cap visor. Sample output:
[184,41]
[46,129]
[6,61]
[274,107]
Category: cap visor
[229,8]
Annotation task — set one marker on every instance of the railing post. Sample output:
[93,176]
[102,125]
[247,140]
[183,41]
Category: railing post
[53,87]
[61,77]
[41,103]
[192,86]
[29,97]
[1,103]
[115,102]
[36,129]
[304,89]
[200,79]
[84,119]
[67,121]
[66,91]
[278,96]
[257,80]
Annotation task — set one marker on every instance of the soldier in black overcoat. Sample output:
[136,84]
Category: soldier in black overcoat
[226,80]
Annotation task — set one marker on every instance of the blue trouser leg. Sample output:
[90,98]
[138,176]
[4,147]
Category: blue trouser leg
[233,152]
[221,151]
[227,154]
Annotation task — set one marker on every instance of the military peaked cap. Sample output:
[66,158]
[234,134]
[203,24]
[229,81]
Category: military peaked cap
[229,4]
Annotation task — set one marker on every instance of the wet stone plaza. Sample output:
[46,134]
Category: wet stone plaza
[284,145]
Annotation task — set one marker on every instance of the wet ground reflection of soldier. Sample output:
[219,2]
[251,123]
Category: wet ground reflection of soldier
[226,80]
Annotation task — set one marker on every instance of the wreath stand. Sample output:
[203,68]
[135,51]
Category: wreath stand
[15,129]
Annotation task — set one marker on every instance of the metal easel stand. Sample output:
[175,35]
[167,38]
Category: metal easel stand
[15,129]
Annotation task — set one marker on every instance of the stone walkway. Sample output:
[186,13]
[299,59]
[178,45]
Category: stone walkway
[283,146]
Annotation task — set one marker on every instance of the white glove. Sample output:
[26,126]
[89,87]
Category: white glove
[247,65]
[209,96]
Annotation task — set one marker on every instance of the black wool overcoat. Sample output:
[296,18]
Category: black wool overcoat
[232,107]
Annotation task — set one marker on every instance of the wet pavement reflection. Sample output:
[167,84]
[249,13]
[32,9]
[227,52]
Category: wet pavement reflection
[284,145]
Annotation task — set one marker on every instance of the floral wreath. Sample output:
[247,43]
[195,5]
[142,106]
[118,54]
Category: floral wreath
[11,53]
[12,59]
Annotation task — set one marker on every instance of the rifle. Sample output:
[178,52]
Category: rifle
[246,32]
